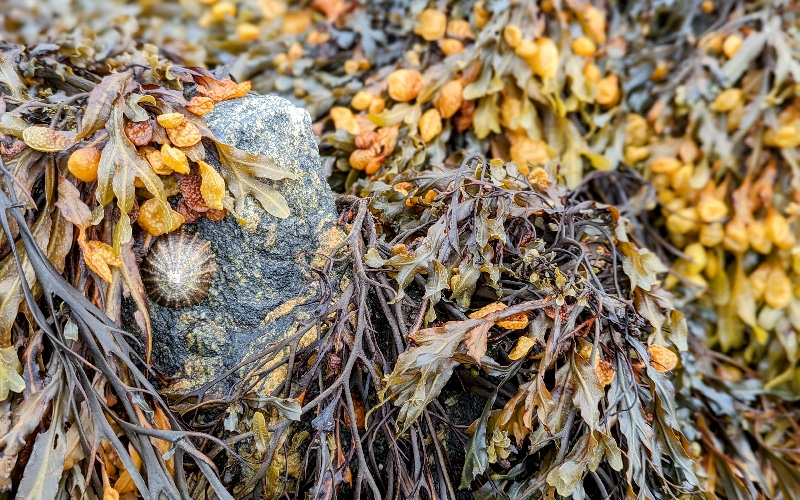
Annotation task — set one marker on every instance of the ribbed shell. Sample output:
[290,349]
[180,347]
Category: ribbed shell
[179,270]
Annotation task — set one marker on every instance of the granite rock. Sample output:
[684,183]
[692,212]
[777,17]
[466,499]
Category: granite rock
[261,288]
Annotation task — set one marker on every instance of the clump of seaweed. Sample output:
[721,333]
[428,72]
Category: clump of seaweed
[543,306]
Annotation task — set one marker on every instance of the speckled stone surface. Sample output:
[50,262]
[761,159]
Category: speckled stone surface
[261,289]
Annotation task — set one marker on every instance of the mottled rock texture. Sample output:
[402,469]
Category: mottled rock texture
[261,287]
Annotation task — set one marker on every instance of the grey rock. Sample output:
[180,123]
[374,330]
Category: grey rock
[261,288]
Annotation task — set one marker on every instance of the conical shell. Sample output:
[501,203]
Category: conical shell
[179,270]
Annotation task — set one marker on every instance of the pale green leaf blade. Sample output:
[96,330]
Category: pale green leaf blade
[98,109]
[8,73]
[588,391]
[10,368]
[42,475]
[251,164]
[269,198]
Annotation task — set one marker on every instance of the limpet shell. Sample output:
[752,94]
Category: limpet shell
[179,270]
